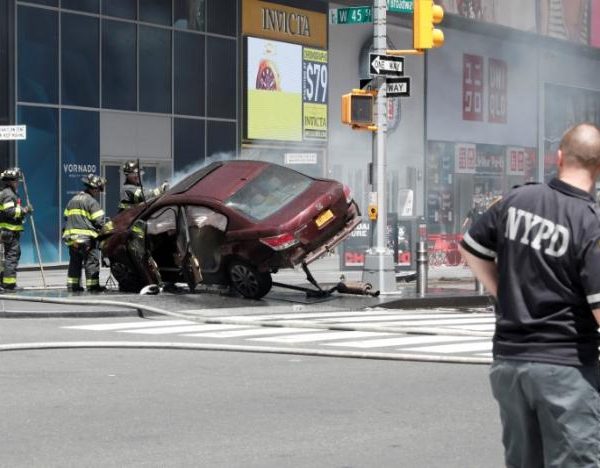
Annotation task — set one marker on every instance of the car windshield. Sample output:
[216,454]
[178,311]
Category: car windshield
[270,191]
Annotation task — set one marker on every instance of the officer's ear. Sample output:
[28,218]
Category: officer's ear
[560,159]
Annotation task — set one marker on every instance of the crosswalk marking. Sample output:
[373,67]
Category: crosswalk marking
[138,324]
[474,327]
[314,337]
[454,348]
[399,318]
[182,329]
[253,332]
[402,341]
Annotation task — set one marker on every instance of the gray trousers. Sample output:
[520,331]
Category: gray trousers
[550,413]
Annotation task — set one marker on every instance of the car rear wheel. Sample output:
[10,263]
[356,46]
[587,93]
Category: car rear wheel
[248,281]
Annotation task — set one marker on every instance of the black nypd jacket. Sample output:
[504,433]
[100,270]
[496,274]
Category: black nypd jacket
[546,241]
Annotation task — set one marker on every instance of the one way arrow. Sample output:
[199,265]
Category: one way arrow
[387,65]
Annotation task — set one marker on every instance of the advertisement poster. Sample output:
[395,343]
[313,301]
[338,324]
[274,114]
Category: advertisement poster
[497,90]
[565,19]
[38,159]
[472,87]
[315,85]
[274,86]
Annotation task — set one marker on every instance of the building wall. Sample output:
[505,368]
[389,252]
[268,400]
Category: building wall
[102,82]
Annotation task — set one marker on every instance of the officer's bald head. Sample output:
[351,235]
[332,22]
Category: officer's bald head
[580,146]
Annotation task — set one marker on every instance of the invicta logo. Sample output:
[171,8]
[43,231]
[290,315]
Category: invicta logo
[285,22]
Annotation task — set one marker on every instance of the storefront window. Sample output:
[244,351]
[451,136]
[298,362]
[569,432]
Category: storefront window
[222,17]
[188,144]
[91,6]
[220,138]
[155,11]
[189,74]
[37,55]
[155,69]
[80,68]
[119,70]
[189,14]
[120,8]
[38,157]
[221,77]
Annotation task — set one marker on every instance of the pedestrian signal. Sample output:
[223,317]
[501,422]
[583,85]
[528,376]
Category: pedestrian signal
[357,109]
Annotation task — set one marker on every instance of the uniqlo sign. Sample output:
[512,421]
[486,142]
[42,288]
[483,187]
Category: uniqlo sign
[516,161]
[497,90]
[465,158]
[472,87]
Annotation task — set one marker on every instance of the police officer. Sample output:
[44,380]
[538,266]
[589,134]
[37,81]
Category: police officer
[132,193]
[12,216]
[84,218]
[538,252]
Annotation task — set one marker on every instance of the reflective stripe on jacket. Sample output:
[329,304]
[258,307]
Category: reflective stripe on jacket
[83,219]
[11,213]
[132,195]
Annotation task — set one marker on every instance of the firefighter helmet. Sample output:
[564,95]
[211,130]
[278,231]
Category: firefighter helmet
[131,167]
[12,173]
[94,181]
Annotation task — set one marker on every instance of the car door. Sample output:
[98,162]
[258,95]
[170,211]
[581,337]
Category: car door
[190,267]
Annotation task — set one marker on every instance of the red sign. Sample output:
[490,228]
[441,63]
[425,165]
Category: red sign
[497,91]
[465,159]
[472,87]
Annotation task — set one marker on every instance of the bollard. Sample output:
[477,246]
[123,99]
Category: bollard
[422,267]
[479,287]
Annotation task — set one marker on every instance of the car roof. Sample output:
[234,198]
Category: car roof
[219,180]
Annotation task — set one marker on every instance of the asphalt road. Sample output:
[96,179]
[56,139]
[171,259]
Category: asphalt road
[113,407]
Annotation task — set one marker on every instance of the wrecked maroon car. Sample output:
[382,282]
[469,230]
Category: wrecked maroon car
[230,223]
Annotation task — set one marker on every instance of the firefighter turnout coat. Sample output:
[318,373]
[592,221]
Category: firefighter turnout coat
[11,213]
[84,219]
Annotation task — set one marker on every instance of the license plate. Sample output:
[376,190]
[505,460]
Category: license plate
[323,218]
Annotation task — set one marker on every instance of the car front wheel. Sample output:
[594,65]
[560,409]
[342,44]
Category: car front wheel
[248,281]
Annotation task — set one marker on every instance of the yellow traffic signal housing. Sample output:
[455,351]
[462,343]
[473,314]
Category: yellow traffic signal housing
[357,109]
[425,16]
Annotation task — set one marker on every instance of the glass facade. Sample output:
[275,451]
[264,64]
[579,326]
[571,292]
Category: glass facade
[76,60]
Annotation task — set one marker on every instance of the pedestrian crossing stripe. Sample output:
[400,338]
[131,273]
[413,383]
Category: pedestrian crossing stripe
[322,336]
[454,348]
[403,341]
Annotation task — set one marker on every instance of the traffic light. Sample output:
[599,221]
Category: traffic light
[357,109]
[425,16]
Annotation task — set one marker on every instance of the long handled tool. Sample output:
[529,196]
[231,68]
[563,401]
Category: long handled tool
[35,240]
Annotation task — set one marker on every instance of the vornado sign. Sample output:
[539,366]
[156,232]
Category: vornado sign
[273,21]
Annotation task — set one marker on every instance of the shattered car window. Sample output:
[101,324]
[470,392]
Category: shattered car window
[270,191]
[201,216]
[162,221]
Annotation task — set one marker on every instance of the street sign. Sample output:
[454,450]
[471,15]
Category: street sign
[13,132]
[352,15]
[400,6]
[386,65]
[398,87]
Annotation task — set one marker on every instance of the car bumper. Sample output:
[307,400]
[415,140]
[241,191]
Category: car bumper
[333,242]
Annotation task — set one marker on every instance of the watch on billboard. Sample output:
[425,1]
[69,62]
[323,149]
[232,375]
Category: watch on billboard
[274,90]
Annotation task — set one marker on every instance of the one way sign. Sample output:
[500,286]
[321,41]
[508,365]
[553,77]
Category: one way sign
[398,87]
[386,65]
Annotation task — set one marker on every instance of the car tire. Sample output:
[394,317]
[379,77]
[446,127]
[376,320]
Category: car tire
[248,281]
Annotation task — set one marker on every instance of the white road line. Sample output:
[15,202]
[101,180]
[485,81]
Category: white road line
[365,314]
[253,332]
[484,327]
[182,329]
[402,341]
[307,338]
[454,348]
[414,322]
[138,324]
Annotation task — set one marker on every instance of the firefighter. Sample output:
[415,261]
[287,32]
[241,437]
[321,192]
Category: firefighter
[132,193]
[12,216]
[84,218]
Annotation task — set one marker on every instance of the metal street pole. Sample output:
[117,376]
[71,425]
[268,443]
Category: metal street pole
[379,262]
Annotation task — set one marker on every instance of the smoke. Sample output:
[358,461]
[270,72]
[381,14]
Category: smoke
[187,170]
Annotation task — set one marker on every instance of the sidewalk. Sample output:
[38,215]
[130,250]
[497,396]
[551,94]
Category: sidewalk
[448,287]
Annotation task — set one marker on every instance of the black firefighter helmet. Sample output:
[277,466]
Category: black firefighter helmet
[131,167]
[94,181]
[12,173]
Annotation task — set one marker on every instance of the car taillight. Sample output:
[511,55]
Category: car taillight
[347,194]
[280,242]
